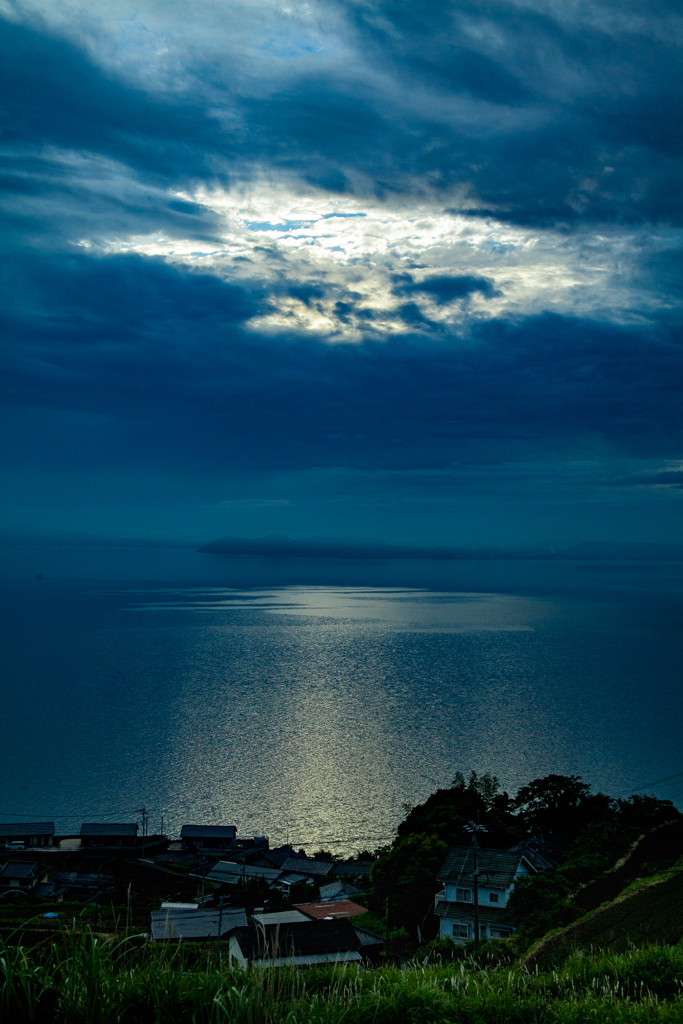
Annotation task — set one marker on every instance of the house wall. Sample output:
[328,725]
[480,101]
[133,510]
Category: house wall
[454,893]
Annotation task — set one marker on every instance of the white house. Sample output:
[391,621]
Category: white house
[498,872]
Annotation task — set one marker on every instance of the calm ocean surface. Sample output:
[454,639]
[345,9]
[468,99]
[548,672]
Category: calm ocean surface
[309,700]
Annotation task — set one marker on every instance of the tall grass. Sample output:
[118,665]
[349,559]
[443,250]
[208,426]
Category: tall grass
[83,980]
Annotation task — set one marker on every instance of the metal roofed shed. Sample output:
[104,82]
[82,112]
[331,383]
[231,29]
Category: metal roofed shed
[194,925]
[32,833]
[296,944]
[304,866]
[336,910]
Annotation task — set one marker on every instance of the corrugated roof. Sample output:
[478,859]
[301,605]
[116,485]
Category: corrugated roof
[465,911]
[108,829]
[281,917]
[498,867]
[336,910]
[208,832]
[297,939]
[31,828]
[194,924]
[308,867]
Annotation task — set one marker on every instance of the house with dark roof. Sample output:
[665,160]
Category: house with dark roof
[32,833]
[18,874]
[296,944]
[498,872]
[108,836]
[314,869]
[208,838]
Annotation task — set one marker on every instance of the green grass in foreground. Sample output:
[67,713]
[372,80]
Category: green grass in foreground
[82,980]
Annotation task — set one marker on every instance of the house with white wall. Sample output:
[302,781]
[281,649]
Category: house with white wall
[498,872]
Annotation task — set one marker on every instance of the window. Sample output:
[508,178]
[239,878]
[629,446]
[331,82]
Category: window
[463,895]
[500,933]
[461,931]
[493,897]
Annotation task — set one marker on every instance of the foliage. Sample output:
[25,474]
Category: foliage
[83,981]
[403,875]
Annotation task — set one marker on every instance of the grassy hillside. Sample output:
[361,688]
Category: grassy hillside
[81,981]
[651,910]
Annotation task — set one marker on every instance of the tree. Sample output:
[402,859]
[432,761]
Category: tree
[558,807]
[405,873]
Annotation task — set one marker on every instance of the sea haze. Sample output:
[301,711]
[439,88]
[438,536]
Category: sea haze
[309,699]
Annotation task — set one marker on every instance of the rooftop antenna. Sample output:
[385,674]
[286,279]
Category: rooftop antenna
[475,828]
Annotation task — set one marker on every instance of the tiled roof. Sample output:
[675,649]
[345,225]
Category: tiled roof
[337,909]
[32,828]
[339,891]
[304,866]
[358,867]
[20,869]
[108,829]
[465,911]
[208,832]
[497,867]
[297,939]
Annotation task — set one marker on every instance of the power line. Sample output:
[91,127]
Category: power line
[648,785]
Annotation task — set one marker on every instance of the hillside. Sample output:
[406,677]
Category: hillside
[648,912]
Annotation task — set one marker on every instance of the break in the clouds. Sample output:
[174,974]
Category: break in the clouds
[376,268]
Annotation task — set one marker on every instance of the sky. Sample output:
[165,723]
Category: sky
[407,271]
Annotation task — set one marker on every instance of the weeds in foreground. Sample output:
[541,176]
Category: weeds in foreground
[83,980]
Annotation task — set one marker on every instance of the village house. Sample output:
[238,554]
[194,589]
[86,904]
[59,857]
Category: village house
[17,874]
[498,872]
[295,944]
[208,838]
[27,834]
[108,836]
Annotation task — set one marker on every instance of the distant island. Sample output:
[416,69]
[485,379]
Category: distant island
[278,546]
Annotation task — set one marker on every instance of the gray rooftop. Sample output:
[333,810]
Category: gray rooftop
[20,869]
[31,828]
[195,924]
[208,832]
[109,829]
[228,871]
[303,866]
[497,867]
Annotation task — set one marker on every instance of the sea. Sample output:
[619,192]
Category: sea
[311,700]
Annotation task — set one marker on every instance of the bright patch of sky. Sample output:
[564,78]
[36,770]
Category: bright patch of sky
[345,259]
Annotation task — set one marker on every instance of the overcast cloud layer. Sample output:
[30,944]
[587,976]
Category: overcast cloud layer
[399,270]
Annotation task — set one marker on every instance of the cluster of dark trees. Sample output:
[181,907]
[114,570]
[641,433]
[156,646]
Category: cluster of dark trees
[582,834]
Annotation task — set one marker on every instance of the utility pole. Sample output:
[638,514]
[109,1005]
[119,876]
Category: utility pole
[474,828]
[220,925]
[143,812]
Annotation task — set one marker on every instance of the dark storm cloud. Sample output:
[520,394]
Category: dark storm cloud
[164,355]
[444,289]
[541,119]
